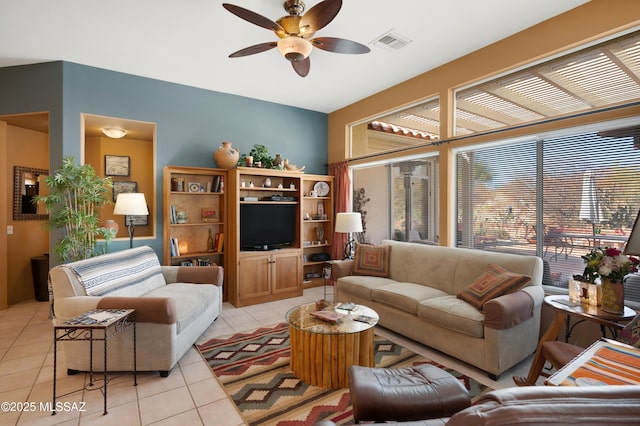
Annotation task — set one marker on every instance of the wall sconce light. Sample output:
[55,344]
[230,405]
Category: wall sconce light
[294,48]
[114,132]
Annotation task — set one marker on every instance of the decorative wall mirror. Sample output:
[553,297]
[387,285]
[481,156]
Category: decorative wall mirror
[26,185]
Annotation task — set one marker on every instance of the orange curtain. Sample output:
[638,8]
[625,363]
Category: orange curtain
[342,202]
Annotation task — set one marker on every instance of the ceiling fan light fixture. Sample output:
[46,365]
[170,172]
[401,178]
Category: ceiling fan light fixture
[294,48]
[114,132]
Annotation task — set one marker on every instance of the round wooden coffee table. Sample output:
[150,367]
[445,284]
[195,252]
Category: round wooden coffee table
[322,351]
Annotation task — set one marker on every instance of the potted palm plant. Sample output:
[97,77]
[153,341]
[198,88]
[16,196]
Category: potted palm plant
[76,193]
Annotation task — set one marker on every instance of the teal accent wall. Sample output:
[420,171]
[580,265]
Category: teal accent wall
[191,122]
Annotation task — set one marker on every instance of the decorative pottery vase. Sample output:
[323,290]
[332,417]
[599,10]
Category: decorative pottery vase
[111,224]
[277,161]
[226,157]
[612,296]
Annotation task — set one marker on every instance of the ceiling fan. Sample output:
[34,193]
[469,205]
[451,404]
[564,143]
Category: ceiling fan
[296,31]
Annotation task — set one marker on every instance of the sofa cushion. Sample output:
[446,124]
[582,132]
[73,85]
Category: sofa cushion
[496,281]
[405,296]
[128,272]
[361,286]
[371,260]
[191,300]
[454,314]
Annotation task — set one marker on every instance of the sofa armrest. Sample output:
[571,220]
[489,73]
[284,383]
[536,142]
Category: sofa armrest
[341,268]
[194,274]
[158,310]
[509,310]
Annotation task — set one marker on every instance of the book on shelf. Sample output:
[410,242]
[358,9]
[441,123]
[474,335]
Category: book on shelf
[329,316]
[219,243]
[175,250]
[215,241]
[172,214]
[217,184]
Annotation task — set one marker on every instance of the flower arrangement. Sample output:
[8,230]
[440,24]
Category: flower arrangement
[608,262]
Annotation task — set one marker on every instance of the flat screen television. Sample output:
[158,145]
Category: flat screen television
[267,226]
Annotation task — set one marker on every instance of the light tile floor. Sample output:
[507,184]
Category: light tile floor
[191,395]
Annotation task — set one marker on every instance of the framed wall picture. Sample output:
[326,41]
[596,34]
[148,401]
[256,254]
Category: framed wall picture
[123,186]
[117,165]
[137,220]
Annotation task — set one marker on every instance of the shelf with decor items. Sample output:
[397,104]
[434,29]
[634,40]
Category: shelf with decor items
[317,227]
[194,213]
[264,253]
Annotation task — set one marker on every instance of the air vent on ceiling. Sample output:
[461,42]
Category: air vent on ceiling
[391,41]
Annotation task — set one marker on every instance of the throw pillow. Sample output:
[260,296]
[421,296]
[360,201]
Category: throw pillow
[495,282]
[371,260]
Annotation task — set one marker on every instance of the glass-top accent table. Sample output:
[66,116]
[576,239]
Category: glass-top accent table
[94,325]
[322,351]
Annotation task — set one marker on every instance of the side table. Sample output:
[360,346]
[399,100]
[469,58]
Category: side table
[87,326]
[564,310]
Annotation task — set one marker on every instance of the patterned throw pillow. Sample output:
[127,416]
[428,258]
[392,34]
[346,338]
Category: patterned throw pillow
[496,282]
[371,260]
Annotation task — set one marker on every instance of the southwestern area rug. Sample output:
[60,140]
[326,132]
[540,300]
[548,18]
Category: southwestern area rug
[254,369]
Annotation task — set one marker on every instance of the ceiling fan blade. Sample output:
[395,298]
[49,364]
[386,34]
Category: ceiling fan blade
[319,16]
[302,67]
[251,50]
[252,17]
[339,45]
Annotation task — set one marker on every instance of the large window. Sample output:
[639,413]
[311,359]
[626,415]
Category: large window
[596,77]
[399,130]
[555,196]
[398,200]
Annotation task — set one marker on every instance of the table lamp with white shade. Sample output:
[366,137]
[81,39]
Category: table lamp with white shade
[131,204]
[348,223]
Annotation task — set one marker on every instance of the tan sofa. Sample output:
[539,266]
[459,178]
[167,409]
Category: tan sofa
[418,300]
[174,306]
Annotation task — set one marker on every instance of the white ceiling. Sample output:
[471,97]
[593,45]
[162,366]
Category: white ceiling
[188,42]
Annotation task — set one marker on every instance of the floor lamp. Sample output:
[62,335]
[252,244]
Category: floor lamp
[348,223]
[130,204]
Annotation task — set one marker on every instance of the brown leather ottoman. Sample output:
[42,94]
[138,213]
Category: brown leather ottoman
[405,394]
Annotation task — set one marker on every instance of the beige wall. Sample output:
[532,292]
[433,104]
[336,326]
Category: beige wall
[588,23]
[30,237]
[141,169]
